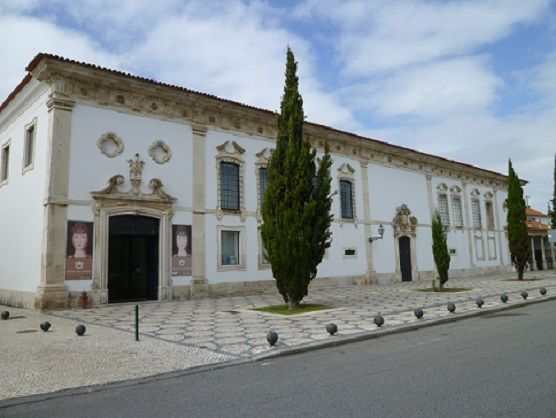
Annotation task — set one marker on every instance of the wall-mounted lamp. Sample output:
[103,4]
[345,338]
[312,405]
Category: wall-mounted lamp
[380,234]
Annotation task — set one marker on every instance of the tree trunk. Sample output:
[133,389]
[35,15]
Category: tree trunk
[292,303]
[520,273]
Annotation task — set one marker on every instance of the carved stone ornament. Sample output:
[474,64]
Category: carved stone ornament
[160,152]
[346,170]
[112,188]
[403,222]
[489,195]
[230,148]
[455,189]
[475,193]
[442,188]
[264,155]
[110,144]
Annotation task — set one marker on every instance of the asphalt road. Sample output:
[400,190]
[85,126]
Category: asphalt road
[497,365]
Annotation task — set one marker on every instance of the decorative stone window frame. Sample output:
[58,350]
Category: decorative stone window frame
[31,125]
[489,199]
[263,157]
[405,225]
[7,144]
[262,265]
[230,152]
[347,173]
[110,201]
[442,190]
[492,255]
[475,197]
[110,136]
[242,256]
[167,152]
[455,193]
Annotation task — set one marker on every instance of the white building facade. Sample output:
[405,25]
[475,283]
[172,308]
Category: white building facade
[128,189]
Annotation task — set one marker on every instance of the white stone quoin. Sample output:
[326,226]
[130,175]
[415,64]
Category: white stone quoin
[71,132]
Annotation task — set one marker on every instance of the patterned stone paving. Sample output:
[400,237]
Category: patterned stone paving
[228,327]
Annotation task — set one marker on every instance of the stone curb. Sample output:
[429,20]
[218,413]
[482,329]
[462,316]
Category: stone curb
[369,335]
[334,342]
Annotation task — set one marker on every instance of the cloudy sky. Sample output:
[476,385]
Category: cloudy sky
[473,81]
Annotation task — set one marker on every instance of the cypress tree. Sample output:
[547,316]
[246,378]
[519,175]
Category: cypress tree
[297,199]
[518,234]
[440,250]
[553,212]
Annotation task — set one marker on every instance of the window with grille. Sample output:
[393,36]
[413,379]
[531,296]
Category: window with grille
[489,215]
[5,163]
[229,186]
[230,248]
[29,145]
[346,199]
[457,211]
[476,212]
[263,180]
[443,209]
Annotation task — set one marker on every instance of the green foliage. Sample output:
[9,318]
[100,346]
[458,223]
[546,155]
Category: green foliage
[553,213]
[440,251]
[518,236]
[297,200]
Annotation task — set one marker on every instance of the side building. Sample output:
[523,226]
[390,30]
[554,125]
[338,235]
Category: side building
[129,189]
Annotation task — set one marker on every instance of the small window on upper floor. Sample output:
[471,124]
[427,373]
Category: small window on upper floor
[5,162]
[229,183]
[346,199]
[489,215]
[443,209]
[29,147]
[476,213]
[263,180]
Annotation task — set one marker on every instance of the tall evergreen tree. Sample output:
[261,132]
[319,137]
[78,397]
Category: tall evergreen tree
[553,213]
[297,200]
[518,234]
[440,250]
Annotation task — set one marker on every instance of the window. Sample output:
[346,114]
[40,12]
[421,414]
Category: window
[263,180]
[489,215]
[28,151]
[457,211]
[4,170]
[230,248]
[476,212]
[229,183]
[346,199]
[443,209]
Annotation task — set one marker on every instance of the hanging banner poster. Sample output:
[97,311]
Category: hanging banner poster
[181,250]
[79,251]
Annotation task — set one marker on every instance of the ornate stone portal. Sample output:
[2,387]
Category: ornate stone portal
[111,201]
[405,225]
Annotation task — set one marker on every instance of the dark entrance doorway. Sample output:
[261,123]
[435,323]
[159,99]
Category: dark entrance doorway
[405,258]
[133,258]
[538,258]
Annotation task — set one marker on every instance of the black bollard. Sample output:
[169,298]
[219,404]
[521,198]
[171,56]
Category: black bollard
[136,322]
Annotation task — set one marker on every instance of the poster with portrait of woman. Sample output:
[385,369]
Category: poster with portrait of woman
[79,251]
[181,250]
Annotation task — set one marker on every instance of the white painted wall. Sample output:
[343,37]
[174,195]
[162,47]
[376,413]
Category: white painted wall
[90,169]
[21,209]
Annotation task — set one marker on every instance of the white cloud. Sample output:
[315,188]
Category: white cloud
[29,36]
[434,89]
[386,36]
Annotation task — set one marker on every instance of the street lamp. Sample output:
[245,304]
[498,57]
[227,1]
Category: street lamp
[379,236]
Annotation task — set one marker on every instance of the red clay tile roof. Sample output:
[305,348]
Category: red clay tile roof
[37,59]
[533,212]
[534,225]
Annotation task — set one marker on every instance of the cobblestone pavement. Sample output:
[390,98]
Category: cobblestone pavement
[228,326]
[184,334]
